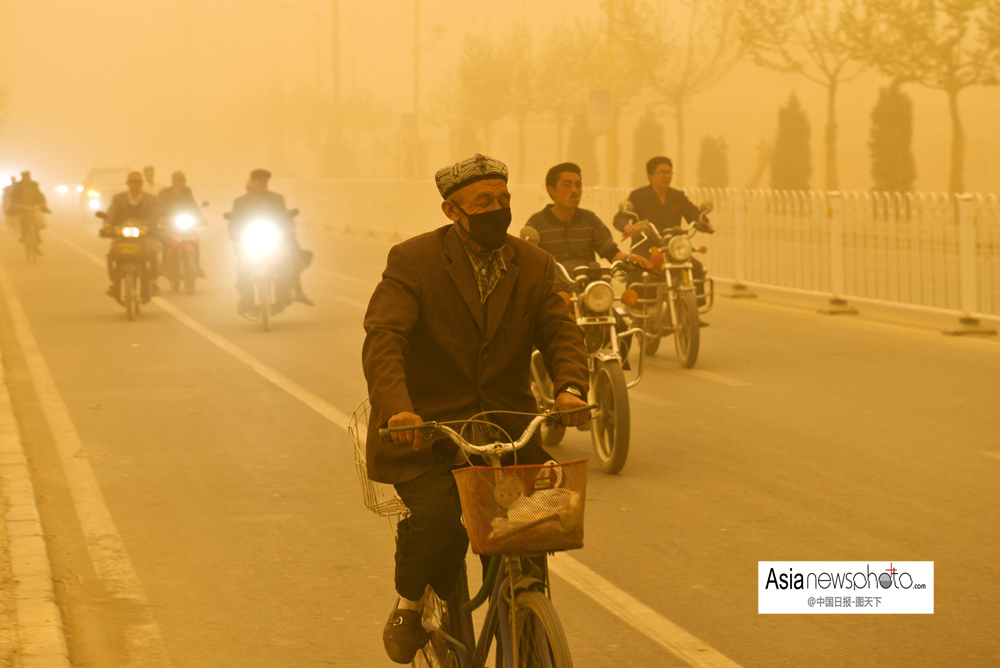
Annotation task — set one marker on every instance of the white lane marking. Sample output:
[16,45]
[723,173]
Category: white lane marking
[39,621]
[647,398]
[641,617]
[717,378]
[699,373]
[638,615]
[282,381]
[273,375]
[108,554]
[346,277]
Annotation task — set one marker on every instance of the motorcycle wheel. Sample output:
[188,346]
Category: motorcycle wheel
[611,426]
[128,282]
[190,273]
[687,332]
[31,244]
[652,344]
[264,299]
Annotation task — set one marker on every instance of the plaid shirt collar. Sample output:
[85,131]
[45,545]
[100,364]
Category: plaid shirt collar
[488,270]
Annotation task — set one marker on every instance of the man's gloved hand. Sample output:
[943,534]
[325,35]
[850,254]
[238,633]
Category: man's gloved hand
[405,419]
[566,402]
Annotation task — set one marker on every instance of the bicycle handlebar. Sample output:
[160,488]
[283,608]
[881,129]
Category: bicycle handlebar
[496,448]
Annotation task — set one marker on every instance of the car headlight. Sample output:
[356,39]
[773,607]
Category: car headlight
[185,221]
[132,232]
[598,296]
[93,193]
[260,239]
[680,248]
[95,204]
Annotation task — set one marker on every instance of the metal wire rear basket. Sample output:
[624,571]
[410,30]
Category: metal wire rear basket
[519,509]
[379,498]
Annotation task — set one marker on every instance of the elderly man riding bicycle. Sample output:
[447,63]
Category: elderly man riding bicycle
[450,330]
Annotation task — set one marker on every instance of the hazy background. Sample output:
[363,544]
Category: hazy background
[191,85]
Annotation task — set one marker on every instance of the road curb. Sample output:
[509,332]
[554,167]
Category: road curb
[39,627]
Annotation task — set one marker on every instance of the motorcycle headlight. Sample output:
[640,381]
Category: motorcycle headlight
[184,221]
[260,239]
[680,248]
[62,190]
[598,297]
[132,232]
[95,204]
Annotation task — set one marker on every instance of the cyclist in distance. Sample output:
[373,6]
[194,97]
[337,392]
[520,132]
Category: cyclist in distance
[449,334]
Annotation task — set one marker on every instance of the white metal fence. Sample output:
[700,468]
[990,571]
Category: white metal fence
[924,251]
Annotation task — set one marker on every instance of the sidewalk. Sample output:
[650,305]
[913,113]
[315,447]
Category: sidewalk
[31,630]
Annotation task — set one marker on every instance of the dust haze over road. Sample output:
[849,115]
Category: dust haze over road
[194,480]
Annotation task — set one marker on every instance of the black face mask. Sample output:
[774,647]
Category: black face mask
[488,229]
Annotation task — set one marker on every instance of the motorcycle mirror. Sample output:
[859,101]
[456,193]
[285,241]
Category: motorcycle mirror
[706,206]
[101,214]
[530,235]
[293,212]
[626,205]
[204,204]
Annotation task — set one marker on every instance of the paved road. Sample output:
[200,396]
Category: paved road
[202,508]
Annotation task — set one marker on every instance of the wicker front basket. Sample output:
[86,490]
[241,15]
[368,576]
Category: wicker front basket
[521,509]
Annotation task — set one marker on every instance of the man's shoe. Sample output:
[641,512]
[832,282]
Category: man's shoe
[301,298]
[403,635]
[702,324]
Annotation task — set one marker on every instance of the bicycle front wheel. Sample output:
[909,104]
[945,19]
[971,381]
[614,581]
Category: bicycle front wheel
[541,642]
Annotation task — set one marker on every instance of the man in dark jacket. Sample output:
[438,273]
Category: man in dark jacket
[664,207]
[449,333]
[177,200]
[27,194]
[259,202]
[135,205]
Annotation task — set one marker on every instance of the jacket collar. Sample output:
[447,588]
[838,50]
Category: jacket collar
[460,270]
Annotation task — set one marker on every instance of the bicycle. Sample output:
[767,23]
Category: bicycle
[517,529]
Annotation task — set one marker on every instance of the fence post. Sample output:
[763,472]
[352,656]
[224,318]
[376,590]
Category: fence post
[739,289]
[967,270]
[835,216]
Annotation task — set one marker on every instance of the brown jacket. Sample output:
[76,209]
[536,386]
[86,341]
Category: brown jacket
[432,350]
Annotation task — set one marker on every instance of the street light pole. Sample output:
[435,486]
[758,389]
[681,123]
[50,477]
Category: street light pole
[335,66]
[416,87]
[611,141]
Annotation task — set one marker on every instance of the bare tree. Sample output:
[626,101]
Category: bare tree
[517,83]
[473,95]
[946,45]
[567,66]
[809,38]
[683,55]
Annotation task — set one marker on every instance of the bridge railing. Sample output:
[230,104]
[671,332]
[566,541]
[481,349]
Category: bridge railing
[925,251]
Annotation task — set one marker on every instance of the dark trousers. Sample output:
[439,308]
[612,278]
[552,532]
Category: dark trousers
[432,541]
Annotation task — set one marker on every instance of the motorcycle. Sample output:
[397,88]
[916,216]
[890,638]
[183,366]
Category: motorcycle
[130,257]
[181,253]
[264,249]
[668,302]
[31,224]
[593,301]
